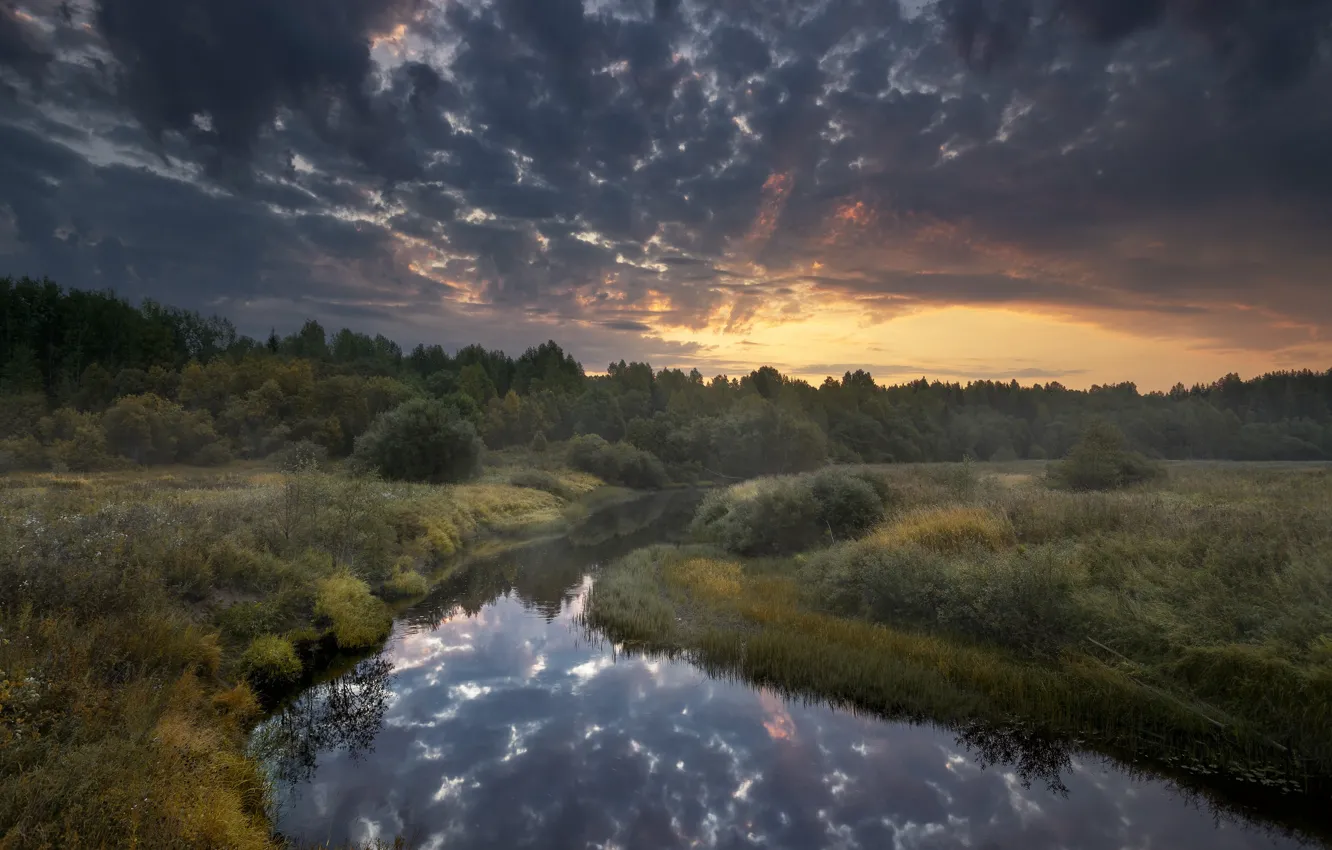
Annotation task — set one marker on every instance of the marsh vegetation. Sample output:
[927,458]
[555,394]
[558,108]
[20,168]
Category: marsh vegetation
[1182,624]
[150,615]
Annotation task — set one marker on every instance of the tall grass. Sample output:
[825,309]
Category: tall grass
[1195,613]
[142,611]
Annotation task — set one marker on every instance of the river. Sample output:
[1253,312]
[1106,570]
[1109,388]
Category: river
[492,719]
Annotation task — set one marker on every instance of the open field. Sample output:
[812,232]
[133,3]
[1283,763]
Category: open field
[1185,624]
[144,613]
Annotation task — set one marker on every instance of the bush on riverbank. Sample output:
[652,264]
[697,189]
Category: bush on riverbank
[785,514]
[617,463]
[270,661]
[358,618]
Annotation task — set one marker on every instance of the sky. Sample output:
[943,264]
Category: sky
[1088,191]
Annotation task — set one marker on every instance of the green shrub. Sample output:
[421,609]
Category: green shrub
[421,440]
[301,456]
[270,661]
[849,504]
[1013,599]
[21,413]
[784,514]
[539,443]
[1101,460]
[406,583]
[358,618]
[75,441]
[617,463]
[766,516]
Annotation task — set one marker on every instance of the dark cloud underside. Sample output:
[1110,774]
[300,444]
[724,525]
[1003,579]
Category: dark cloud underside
[629,166]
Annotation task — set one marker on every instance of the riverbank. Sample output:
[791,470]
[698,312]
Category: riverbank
[146,611]
[1183,626]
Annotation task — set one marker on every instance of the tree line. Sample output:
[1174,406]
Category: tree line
[89,380]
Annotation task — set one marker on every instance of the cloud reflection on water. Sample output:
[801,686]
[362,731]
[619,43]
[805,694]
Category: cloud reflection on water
[506,730]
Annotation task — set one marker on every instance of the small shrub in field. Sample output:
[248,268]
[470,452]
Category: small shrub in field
[617,463]
[539,443]
[1101,460]
[358,618]
[961,478]
[788,513]
[149,429]
[421,440]
[849,504]
[302,456]
[953,529]
[238,702]
[270,661]
[766,516]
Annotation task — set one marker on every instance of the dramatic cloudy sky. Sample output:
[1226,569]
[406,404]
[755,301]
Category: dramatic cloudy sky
[1087,190]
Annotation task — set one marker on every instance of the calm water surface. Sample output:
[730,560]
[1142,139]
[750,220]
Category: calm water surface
[491,720]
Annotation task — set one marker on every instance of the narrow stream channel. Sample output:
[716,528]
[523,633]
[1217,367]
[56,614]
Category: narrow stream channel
[492,720]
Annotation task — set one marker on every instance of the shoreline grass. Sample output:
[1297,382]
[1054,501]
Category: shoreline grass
[1182,626]
[146,615]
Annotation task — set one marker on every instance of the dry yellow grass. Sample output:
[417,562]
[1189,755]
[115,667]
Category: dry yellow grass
[950,529]
[709,577]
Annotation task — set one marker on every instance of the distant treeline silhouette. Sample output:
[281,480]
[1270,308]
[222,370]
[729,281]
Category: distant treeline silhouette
[89,379]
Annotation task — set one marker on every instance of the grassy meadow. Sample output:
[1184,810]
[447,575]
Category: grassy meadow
[147,614]
[1184,623]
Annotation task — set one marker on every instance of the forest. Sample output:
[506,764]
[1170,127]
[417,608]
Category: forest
[91,381]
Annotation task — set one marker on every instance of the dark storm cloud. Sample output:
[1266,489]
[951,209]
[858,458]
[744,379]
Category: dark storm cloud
[622,164]
[21,45]
[1272,41]
[238,62]
[626,325]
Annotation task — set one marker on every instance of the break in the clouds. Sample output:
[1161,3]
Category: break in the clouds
[662,178]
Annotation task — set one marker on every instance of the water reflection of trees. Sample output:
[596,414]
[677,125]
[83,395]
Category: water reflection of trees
[1033,757]
[546,576]
[344,713]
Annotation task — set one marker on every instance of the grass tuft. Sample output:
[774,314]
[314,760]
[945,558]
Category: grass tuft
[270,661]
[950,529]
[358,618]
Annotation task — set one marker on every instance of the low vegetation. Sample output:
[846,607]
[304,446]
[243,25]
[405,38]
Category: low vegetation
[271,662]
[356,618]
[147,614]
[1188,621]
[778,515]
[617,463]
[1102,460]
